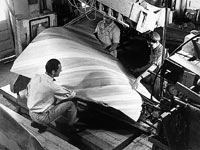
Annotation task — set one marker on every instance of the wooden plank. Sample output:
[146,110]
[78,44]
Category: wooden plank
[93,141]
[4,35]
[5,45]
[12,97]
[3,25]
[48,140]
[189,93]
[106,140]
[10,31]
[158,144]
[6,39]
[186,64]
[6,53]
[140,143]
[13,135]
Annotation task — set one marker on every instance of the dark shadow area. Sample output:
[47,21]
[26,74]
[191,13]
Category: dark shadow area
[98,116]
[133,51]
[98,120]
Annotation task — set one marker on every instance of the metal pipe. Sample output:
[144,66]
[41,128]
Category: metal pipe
[164,43]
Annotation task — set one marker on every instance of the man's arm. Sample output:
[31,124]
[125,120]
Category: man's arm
[141,69]
[147,72]
[115,39]
[62,93]
[113,47]
[156,63]
[143,75]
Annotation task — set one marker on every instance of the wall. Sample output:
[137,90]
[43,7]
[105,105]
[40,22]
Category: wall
[22,9]
[193,4]
[180,7]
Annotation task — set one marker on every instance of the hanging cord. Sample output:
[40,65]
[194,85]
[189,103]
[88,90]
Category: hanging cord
[93,5]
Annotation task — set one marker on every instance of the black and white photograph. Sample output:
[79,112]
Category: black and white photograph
[99,75]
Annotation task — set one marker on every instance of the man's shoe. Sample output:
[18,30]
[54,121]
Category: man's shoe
[41,128]
[66,129]
[79,126]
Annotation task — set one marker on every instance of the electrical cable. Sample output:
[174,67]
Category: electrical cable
[93,5]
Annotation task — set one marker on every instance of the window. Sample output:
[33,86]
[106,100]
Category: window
[2,10]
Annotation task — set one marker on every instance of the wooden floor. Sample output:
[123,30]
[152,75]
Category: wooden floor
[97,136]
[140,143]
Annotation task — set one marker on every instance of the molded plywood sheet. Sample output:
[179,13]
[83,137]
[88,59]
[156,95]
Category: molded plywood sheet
[93,73]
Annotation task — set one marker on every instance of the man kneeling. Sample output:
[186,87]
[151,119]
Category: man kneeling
[48,101]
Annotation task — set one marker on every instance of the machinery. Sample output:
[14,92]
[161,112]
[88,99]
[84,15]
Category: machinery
[177,113]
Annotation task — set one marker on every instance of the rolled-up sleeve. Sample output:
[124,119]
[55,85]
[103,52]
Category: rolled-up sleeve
[63,93]
[116,35]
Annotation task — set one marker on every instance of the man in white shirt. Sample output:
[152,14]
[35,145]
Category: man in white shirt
[48,101]
[108,33]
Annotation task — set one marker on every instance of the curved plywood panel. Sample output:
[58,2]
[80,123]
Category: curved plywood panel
[95,75]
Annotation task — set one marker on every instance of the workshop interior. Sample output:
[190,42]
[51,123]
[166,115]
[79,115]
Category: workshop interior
[118,107]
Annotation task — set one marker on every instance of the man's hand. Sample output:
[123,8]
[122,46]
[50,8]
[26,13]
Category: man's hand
[72,95]
[136,83]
